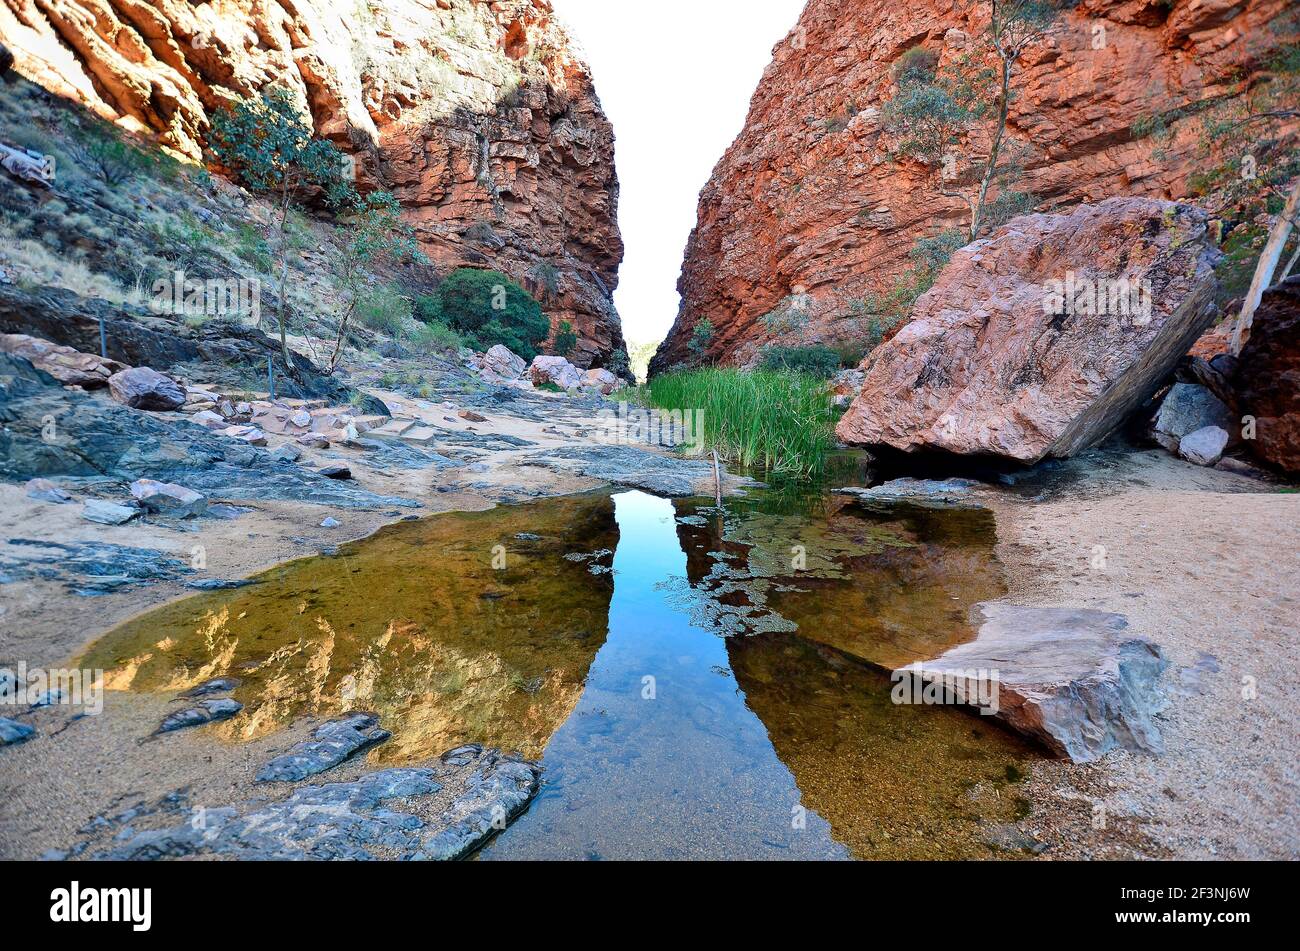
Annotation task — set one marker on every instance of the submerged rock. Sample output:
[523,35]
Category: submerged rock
[1043,338]
[498,793]
[949,492]
[207,711]
[330,745]
[1073,679]
[217,685]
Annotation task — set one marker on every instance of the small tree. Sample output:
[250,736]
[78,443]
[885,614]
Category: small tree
[377,235]
[701,337]
[266,142]
[489,308]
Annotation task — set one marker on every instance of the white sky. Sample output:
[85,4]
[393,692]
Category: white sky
[675,78]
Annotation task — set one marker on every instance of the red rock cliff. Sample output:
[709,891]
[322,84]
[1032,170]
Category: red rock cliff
[480,116]
[807,209]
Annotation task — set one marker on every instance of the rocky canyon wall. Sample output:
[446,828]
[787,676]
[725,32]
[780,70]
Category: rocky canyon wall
[480,116]
[808,213]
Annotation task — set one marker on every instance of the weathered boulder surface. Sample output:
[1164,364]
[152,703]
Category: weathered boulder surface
[601,380]
[143,388]
[168,498]
[480,116]
[999,360]
[69,366]
[1186,408]
[808,196]
[1071,678]
[1267,377]
[1204,447]
[205,711]
[554,370]
[502,361]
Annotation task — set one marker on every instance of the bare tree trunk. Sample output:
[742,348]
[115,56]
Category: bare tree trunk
[1268,261]
[1295,256]
[994,149]
[281,317]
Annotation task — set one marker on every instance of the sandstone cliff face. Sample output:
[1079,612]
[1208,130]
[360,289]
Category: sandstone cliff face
[478,115]
[806,210]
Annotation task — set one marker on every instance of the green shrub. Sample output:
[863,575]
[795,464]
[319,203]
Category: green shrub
[433,337]
[917,65]
[779,420]
[383,309]
[817,360]
[565,339]
[488,308]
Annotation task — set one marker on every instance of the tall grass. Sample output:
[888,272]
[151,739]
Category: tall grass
[779,420]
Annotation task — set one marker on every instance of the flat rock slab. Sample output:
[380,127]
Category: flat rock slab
[205,711]
[108,513]
[1072,679]
[948,493]
[384,814]
[330,745]
[628,465]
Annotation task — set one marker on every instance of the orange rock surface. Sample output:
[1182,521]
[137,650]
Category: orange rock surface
[478,115]
[806,210]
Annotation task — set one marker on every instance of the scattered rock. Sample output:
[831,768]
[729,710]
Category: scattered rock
[1204,447]
[471,416]
[1267,378]
[554,370]
[1072,679]
[336,472]
[314,441]
[1186,408]
[462,755]
[43,490]
[108,513]
[143,388]
[330,745]
[286,452]
[330,522]
[12,732]
[70,367]
[209,419]
[249,434]
[206,711]
[168,498]
[1007,355]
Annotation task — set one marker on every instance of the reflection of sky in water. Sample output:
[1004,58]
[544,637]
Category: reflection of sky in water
[688,774]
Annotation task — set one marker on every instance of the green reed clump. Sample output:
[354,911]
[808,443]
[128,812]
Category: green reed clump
[777,419]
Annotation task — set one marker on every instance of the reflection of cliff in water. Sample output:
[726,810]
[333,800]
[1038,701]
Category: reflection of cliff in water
[889,585]
[894,782]
[414,623]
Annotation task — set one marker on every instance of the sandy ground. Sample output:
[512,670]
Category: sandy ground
[1201,562]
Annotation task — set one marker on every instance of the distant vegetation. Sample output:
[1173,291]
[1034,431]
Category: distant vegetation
[487,308]
[816,360]
[779,420]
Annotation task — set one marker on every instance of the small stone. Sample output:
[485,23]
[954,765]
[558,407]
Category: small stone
[209,419]
[249,434]
[108,513]
[301,419]
[1203,447]
[143,388]
[330,522]
[336,472]
[314,441]
[471,416]
[167,498]
[43,490]
[287,452]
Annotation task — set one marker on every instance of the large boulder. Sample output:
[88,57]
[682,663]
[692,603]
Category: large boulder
[556,371]
[1267,378]
[1040,340]
[168,498]
[1074,679]
[70,367]
[143,388]
[503,361]
[601,380]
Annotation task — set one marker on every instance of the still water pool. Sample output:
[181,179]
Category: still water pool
[699,682]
